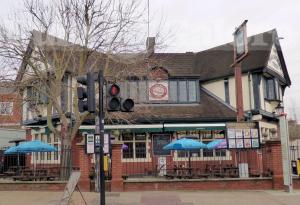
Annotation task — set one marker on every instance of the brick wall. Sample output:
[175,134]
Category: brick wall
[234,184]
[32,186]
[14,119]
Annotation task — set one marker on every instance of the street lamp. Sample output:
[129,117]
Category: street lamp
[279,109]
[284,138]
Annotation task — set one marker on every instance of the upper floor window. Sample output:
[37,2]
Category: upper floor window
[272,89]
[226,89]
[164,91]
[6,108]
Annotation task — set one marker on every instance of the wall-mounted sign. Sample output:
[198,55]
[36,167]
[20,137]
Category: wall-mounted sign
[158,90]
[242,136]
[89,143]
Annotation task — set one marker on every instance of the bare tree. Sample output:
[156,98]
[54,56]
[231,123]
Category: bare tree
[66,38]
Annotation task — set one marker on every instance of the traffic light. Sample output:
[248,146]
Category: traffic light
[113,99]
[115,102]
[86,97]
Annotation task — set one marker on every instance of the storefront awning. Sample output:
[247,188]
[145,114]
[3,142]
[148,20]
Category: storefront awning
[195,126]
[159,127]
[133,128]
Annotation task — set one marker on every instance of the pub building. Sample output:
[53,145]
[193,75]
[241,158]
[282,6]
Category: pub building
[193,95]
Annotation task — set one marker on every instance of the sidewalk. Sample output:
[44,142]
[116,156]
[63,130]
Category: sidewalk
[157,198]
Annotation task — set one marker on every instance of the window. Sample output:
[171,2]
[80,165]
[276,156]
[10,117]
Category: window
[6,108]
[136,145]
[192,91]
[272,89]
[142,85]
[173,91]
[226,87]
[180,91]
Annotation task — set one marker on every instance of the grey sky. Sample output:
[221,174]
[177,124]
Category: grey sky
[197,25]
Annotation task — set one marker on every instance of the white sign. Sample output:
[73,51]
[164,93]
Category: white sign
[106,144]
[162,166]
[90,148]
[158,90]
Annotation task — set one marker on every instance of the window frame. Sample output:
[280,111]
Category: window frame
[169,101]
[134,141]
[8,107]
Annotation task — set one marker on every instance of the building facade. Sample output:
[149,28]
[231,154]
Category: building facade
[186,94]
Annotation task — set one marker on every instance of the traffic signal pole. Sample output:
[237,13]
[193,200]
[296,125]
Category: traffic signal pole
[101,129]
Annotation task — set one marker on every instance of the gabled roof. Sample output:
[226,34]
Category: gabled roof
[216,62]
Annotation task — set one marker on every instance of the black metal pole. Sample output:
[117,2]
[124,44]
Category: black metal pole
[101,126]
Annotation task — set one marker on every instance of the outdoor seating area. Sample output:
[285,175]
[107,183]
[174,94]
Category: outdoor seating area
[211,171]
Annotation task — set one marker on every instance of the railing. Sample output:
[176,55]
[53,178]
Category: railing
[30,166]
[200,164]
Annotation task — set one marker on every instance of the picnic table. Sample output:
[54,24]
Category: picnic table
[34,175]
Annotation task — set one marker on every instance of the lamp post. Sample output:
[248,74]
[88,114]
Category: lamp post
[286,158]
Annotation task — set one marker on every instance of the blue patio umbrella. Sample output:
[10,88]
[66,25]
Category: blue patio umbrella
[35,146]
[217,144]
[184,144]
[31,146]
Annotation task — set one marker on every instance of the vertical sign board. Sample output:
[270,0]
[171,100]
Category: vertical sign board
[106,144]
[70,187]
[97,143]
[89,144]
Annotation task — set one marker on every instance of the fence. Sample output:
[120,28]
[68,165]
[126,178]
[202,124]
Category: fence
[30,166]
[199,164]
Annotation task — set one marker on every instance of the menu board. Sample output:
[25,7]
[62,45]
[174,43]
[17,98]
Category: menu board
[243,138]
[158,142]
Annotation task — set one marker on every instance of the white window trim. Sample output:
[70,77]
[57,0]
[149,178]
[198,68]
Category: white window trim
[5,105]
[134,159]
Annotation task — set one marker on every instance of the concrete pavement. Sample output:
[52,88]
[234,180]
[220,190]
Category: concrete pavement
[157,198]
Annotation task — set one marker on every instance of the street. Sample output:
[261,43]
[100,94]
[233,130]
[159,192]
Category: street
[157,198]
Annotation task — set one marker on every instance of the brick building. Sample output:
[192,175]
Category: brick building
[10,114]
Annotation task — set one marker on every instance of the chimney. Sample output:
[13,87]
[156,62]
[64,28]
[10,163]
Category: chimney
[150,44]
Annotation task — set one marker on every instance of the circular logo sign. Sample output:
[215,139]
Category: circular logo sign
[158,91]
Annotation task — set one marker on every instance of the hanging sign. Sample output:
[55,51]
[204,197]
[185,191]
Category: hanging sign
[158,90]
[240,42]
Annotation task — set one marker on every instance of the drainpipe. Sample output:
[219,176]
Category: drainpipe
[249,87]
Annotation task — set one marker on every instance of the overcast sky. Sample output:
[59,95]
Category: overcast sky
[198,25]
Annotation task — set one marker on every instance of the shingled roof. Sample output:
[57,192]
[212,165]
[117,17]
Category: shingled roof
[215,62]
[210,109]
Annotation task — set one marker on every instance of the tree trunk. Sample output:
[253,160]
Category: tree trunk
[65,160]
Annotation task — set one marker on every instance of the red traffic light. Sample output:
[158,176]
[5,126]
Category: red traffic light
[114,90]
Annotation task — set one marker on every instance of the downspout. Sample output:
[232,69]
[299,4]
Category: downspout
[249,87]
